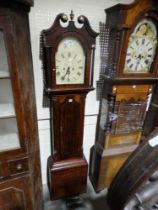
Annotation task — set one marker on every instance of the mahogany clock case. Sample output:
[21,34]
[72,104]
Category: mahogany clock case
[20,178]
[51,39]
[126,114]
[67,167]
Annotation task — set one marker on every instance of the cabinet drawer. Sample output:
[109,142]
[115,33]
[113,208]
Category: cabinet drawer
[18,166]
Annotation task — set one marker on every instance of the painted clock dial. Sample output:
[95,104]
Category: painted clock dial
[70,62]
[141,48]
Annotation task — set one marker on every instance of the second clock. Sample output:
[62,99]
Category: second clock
[129,81]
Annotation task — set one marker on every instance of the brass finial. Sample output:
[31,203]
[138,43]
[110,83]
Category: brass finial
[72,15]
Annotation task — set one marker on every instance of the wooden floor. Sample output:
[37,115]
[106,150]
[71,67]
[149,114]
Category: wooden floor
[86,201]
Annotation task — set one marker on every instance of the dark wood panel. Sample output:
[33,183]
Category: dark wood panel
[67,177]
[15,194]
[68,122]
[71,136]
[17,38]
[27,2]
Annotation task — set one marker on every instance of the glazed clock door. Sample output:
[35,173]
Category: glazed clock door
[12,131]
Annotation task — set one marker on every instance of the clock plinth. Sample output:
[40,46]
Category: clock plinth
[68,54]
[67,177]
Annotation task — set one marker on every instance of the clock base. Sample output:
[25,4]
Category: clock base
[105,163]
[67,177]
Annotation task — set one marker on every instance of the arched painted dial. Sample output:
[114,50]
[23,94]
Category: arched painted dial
[140,55]
[141,48]
[70,62]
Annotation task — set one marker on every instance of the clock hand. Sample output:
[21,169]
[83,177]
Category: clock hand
[138,61]
[67,72]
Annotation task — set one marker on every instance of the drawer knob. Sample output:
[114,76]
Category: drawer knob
[19,166]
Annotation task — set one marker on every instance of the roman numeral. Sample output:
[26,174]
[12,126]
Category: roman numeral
[58,73]
[62,56]
[131,65]
[150,49]
[137,42]
[62,78]
[129,60]
[69,54]
[146,61]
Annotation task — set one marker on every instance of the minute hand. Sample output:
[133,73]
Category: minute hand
[67,72]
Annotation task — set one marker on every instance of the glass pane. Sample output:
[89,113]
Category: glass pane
[8,135]
[9,138]
[6,99]
[4,70]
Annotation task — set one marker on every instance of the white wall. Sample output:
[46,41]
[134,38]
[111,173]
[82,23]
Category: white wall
[41,17]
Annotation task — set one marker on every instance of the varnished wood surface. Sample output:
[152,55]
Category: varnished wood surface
[67,178]
[125,94]
[15,194]
[21,167]
[52,36]
[104,164]
[134,173]
[67,113]
[123,19]
[67,167]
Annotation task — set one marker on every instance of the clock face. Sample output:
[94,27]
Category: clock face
[70,62]
[141,48]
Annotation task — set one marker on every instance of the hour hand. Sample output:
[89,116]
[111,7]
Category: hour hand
[67,73]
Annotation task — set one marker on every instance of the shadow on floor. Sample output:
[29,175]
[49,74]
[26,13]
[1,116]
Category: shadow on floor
[85,201]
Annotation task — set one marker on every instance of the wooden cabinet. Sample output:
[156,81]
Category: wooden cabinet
[15,194]
[20,179]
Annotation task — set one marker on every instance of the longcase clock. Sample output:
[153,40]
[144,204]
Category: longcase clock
[126,113]
[68,53]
